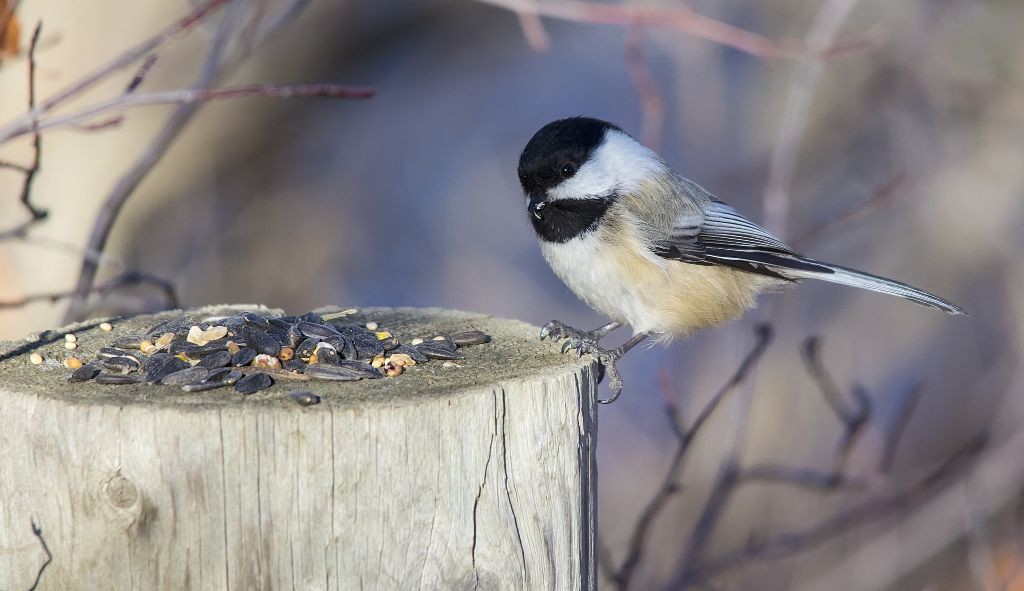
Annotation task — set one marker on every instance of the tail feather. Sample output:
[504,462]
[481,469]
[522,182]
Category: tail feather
[854,278]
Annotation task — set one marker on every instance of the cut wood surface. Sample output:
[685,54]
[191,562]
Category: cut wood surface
[478,476]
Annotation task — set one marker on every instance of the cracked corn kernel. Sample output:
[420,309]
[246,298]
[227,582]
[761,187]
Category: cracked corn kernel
[393,369]
[438,338]
[286,353]
[401,359]
[415,342]
[36,359]
[383,334]
[106,326]
[377,361]
[72,363]
[70,345]
[233,347]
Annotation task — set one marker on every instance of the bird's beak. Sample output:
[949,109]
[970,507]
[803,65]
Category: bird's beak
[537,203]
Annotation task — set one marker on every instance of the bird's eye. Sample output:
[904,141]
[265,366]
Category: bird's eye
[568,170]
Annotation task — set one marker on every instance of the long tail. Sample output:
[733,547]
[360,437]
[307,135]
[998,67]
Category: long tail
[854,278]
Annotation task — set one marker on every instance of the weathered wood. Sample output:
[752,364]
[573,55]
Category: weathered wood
[443,478]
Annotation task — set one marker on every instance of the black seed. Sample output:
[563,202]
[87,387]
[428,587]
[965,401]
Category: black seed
[233,377]
[204,386]
[316,331]
[326,353]
[185,348]
[389,343]
[470,337]
[254,382]
[438,350]
[159,369]
[344,371]
[304,397]
[84,373]
[128,342]
[280,323]
[243,357]
[411,352]
[215,360]
[122,365]
[117,379]
[261,341]
[294,336]
[253,319]
[306,348]
[155,359]
[294,365]
[190,375]
[112,352]
[312,317]
[219,374]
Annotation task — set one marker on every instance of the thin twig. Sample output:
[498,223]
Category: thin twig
[905,409]
[198,95]
[533,30]
[826,25]
[126,279]
[651,103]
[670,485]
[790,543]
[38,533]
[683,19]
[800,477]
[878,199]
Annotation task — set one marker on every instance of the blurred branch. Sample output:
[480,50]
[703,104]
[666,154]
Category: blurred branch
[904,410]
[37,214]
[651,103]
[622,577]
[683,19]
[126,279]
[890,505]
[198,95]
[533,30]
[881,197]
[794,119]
[853,418]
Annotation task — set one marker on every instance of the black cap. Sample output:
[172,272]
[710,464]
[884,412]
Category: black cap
[558,150]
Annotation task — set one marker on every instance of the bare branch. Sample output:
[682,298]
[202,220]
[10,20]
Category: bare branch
[533,30]
[904,410]
[683,19]
[670,486]
[196,95]
[787,143]
[651,103]
[882,196]
[801,477]
[126,279]
[788,544]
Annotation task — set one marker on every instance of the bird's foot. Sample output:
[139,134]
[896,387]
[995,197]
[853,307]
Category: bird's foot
[557,330]
[606,360]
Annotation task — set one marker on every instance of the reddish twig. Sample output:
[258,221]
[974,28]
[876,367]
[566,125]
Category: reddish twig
[683,19]
[533,30]
[882,196]
[651,103]
[622,576]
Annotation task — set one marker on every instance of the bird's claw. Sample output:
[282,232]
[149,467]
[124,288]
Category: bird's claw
[558,330]
[586,343]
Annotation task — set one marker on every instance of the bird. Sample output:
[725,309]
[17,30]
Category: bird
[649,249]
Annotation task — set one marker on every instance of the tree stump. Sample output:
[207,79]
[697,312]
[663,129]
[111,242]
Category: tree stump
[479,476]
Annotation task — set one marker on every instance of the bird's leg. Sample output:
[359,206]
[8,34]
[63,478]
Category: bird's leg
[558,330]
[607,358]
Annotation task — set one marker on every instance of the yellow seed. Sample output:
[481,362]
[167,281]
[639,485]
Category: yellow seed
[36,359]
[70,345]
[438,338]
[377,361]
[195,336]
[72,363]
[371,326]
[233,347]
[71,338]
[312,359]
[147,344]
[415,342]
[164,340]
[286,353]
[383,334]
[106,327]
[401,359]
[183,357]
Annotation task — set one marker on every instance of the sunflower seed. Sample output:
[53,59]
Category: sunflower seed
[316,331]
[219,374]
[122,365]
[294,336]
[183,377]
[344,371]
[438,350]
[243,357]
[112,352]
[173,325]
[312,317]
[470,337]
[306,348]
[254,382]
[116,379]
[304,397]
[261,342]
[254,319]
[326,353]
[294,365]
[158,370]
[411,352]
[84,373]
[215,360]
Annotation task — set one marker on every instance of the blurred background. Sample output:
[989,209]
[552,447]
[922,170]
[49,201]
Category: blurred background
[907,160]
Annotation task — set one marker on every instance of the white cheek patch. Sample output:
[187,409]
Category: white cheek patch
[620,164]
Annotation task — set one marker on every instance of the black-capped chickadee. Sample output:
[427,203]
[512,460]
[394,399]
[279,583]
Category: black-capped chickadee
[650,249]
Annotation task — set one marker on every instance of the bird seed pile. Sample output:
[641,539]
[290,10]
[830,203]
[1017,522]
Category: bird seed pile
[250,351]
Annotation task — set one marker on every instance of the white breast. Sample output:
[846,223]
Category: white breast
[598,280]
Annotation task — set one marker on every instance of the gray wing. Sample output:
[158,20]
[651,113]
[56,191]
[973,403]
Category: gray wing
[719,235]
